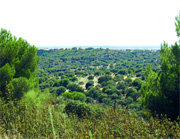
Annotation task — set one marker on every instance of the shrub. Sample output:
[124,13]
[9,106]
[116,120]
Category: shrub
[89,84]
[90,77]
[94,92]
[75,87]
[104,78]
[64,82]
[75,96]
[73,79]
[82,110]
[121,85]
[89,100]
[60,90]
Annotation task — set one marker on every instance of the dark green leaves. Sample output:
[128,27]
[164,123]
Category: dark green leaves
[18,63]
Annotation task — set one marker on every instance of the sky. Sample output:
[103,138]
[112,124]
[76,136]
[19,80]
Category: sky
[91,22]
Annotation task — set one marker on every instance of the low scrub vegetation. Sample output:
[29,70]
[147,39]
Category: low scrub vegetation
[21,120]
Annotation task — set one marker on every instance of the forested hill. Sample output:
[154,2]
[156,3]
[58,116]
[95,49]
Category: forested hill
[97,60]
[103,75]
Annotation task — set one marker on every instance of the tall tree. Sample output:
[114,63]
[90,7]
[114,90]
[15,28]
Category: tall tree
[161,91]
[18,63]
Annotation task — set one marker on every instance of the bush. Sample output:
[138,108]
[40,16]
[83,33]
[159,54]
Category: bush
[60,90]
[89,84]
[94,92]
[104,78]
[137,83]
[73,79]
[75,87]
[75,96]
[82,110]
[108,83]
[90,77]
[128,81]
[123,71]
[121,85]
[18,87]
[38,99]
[64,82]
[89,100]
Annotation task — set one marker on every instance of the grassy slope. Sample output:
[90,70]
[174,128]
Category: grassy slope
[33,121]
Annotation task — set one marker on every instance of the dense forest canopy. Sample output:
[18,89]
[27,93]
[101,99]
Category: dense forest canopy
[88,59]
[104,75]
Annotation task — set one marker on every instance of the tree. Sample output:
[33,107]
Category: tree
[137,83]
[161,90]
[132,92]
[89,84]
[75,87]
[75,96]
[60,90]
[104,78]
[82,110]
[64,82]
[90,77]
[121,85]
[94,92]
[18,63]
[73,79]
[123,71]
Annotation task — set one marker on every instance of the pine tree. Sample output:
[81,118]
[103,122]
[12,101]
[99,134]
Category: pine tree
[161,91]
[18,63]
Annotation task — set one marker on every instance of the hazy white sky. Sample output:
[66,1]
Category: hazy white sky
[91,22]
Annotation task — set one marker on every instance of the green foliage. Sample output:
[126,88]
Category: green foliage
[104,78]
[137,83]
[95,62]
[41,115]
[118,77]
[93,65]
[73,79]
[89,100]
[18,87]
[90,77]
[37,99]
[130,91]
[6,73]
[111,91]
[121,85]
[160,91]
[60,90]
[114,96]
[128,81]
[24,120]
[123,71]
[75,96]
[18,62]
[64,82]
[89,84]
[108,83]
[177,23]
[82,110]
[94,92]
[74,87]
